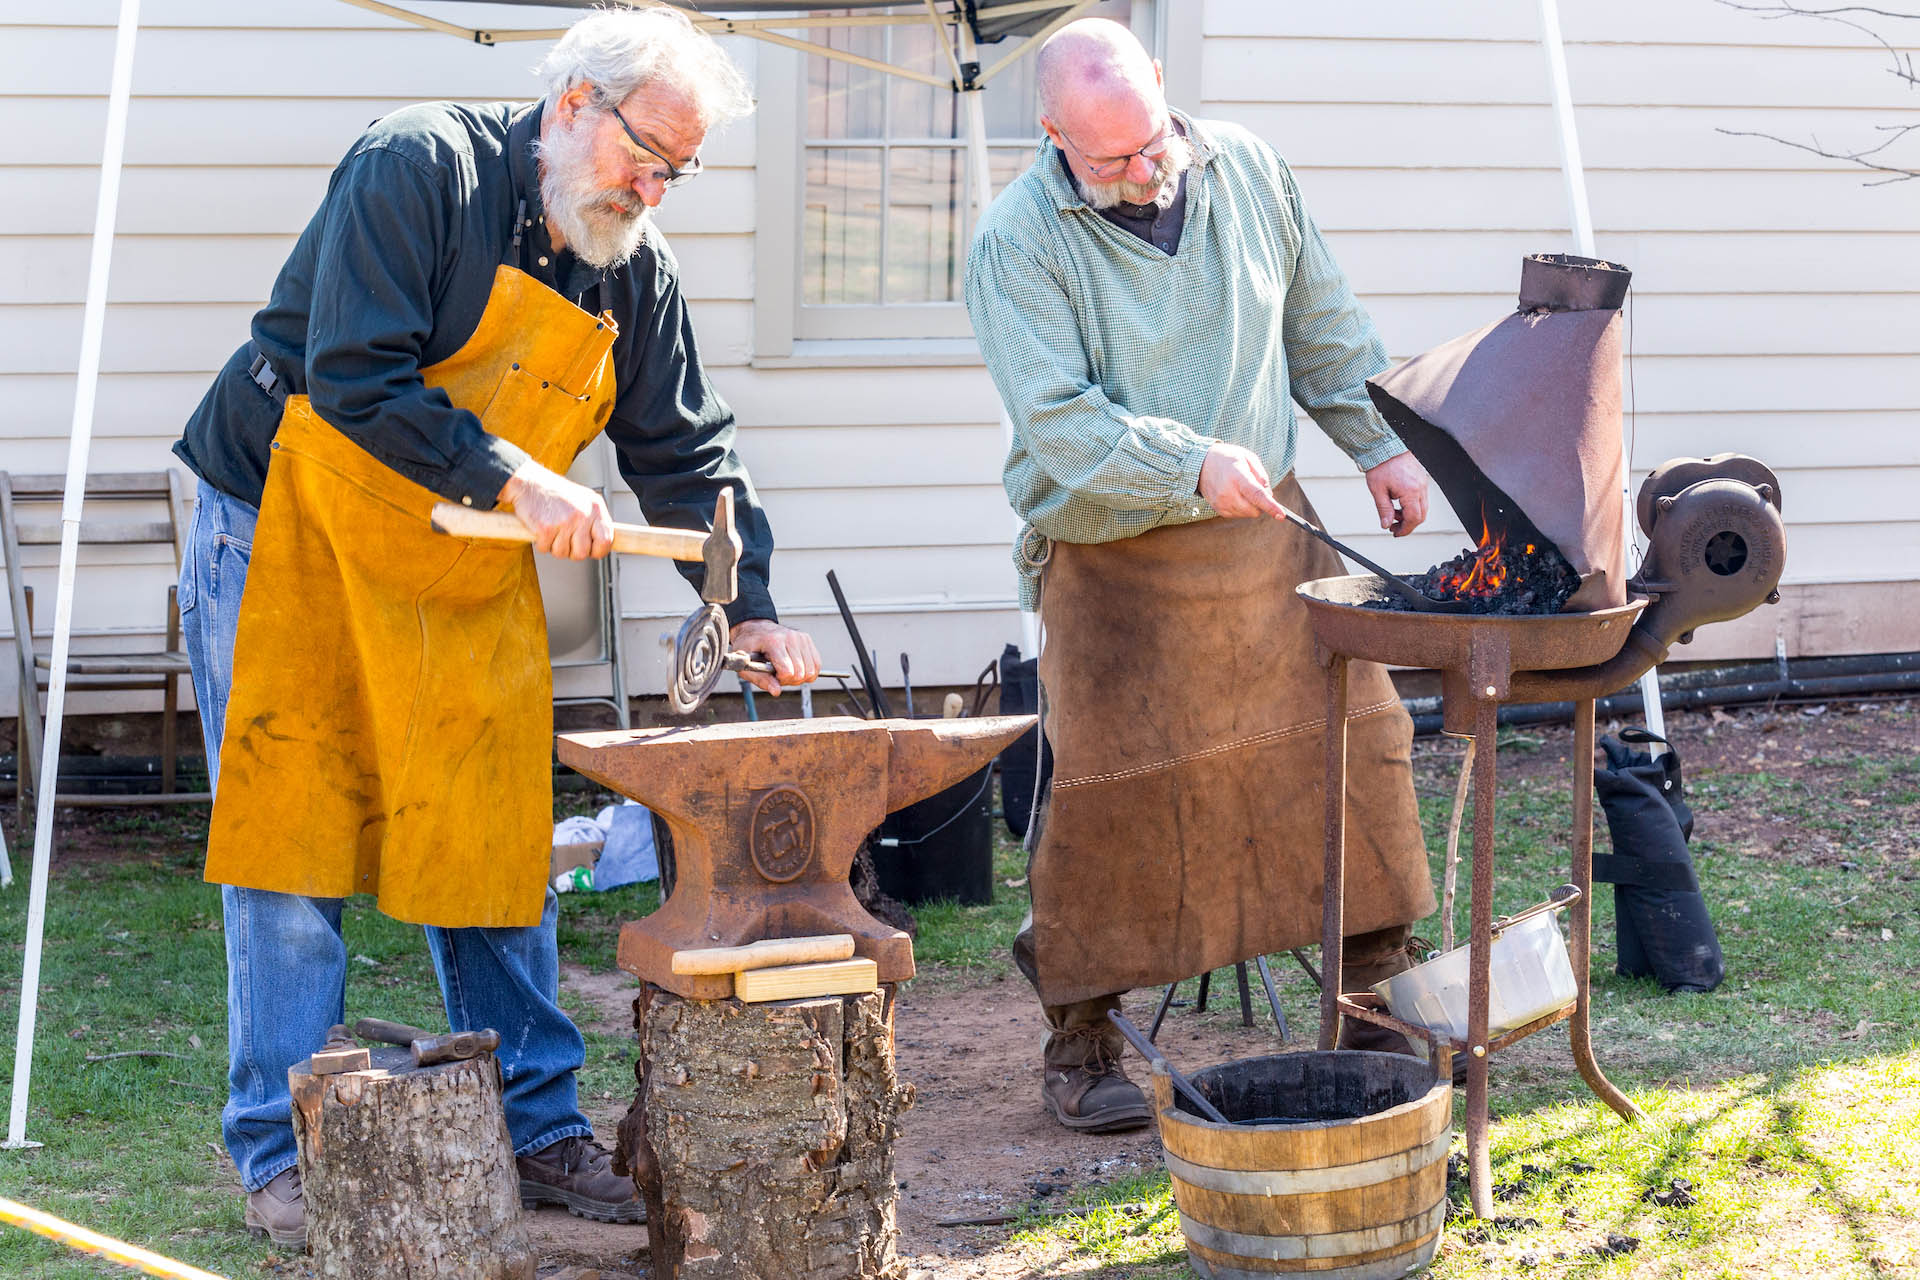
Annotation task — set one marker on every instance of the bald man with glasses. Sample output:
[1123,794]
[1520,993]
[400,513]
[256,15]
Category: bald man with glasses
[1151,298]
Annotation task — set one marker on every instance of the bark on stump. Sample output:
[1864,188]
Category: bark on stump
[762,1136]
[409,1173]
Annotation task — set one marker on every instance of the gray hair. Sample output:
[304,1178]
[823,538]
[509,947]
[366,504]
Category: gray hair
[618,50]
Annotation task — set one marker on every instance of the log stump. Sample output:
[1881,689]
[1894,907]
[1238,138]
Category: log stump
[409,1172]
[762,1136]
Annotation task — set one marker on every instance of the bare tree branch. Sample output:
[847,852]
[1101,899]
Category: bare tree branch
[1831,13]
[1902,69]
[1898,174]
[1784,9]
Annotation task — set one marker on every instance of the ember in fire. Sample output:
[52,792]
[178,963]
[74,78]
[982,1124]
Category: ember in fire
[1496,578]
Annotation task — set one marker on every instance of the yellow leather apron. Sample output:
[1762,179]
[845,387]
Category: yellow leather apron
[390,725]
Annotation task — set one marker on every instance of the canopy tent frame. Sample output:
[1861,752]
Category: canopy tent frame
[965,15]
[968,78]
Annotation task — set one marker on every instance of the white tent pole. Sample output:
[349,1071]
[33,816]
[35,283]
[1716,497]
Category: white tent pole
[1576,176]
[79,445]
[980,179]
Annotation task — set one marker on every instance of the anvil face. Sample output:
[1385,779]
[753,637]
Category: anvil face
[766,819]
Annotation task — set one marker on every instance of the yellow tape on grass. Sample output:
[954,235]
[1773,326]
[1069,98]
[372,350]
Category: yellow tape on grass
[127,1255]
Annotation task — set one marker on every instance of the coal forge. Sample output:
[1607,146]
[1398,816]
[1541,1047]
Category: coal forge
[1496,577]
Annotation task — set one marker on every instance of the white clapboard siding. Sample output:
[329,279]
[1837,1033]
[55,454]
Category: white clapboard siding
[251,199]
[1776,306]
[1776,300]
[1714,263]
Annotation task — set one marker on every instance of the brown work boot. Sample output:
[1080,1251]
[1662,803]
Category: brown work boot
[278,1211]
[1367,958]
[1085,1086]
[577,1173]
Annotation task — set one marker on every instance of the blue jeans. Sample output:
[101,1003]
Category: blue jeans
[286,961]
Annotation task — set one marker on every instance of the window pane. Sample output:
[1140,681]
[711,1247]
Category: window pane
[925,221]
[920,110]
[840,226]
[845,101]
[1006,164]
[887,211]
[1011,103]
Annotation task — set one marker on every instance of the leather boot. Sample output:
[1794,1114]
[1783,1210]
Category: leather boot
[1084,1084]
[1367,958]
[577,1173]
[278,1211]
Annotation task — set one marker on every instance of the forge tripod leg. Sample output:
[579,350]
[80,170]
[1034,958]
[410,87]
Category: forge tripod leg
[1486,726]
[1333,881]
[1581,917]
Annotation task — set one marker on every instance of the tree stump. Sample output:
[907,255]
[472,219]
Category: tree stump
[762,1136]
[409,1172]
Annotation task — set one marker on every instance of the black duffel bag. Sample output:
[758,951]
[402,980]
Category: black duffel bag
[1022,759]
[1663,929]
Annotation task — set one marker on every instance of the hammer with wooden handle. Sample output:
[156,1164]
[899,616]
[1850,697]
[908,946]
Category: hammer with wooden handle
[719,550]
[764,954]
[428,1049]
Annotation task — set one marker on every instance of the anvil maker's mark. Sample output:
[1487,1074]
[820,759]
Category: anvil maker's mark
[782,840]
[767,817]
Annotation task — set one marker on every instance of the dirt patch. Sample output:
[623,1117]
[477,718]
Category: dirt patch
[979,1142]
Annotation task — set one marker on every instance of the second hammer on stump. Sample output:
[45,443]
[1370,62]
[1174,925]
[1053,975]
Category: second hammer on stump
[407,1170]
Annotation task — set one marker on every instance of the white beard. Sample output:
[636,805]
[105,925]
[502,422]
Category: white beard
[1159,192]
[587,214]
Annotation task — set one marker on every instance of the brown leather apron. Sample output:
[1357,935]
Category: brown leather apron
[390,725]
[1185,713]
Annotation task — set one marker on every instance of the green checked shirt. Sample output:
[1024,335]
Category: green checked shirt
[1120,365]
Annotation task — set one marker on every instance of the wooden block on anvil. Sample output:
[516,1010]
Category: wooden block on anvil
[798,981]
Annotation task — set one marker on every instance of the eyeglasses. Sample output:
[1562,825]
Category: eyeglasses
[1113,168]
[672,177]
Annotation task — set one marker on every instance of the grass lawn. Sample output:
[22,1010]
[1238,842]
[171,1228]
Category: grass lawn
[1785,1107]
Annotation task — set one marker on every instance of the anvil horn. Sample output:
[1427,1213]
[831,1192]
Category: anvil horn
[930,755]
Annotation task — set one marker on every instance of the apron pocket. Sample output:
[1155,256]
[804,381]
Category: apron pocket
[538,415]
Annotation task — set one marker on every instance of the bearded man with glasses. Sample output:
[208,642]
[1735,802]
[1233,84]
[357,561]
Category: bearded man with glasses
[480,294]
[1151,298]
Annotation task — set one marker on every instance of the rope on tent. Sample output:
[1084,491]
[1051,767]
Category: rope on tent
[16,1214]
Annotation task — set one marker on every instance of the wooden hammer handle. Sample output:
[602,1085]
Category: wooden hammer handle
[632,539]
[764,954]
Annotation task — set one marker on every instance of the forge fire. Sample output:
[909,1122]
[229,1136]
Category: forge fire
[1526,577]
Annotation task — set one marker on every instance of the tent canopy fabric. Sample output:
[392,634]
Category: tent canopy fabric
[991,20]
[974,21]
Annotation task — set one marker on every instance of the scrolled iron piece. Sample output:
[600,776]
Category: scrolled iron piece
[699,657]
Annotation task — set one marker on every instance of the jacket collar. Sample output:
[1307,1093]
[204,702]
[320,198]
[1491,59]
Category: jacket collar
[1053,172]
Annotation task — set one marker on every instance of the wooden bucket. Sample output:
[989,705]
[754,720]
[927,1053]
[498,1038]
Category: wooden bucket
[1348,1181]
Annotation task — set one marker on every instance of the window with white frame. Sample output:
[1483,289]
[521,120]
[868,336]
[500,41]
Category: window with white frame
[880,206]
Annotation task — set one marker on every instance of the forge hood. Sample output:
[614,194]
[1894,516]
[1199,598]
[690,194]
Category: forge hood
[1519,422]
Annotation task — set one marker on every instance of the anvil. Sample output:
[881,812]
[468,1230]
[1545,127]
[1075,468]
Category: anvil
[766,819]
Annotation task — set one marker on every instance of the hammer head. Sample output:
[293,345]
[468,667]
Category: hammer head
[722,554]
[456,1046]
